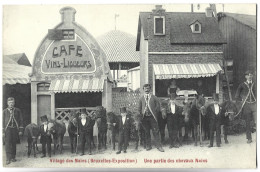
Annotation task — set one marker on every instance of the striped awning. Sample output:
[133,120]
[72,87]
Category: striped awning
[169,71]
[74,86]
[16,74]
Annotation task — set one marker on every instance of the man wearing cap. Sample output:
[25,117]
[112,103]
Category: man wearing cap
[174,112]
[149,108]
[246,92]
[124,124]
[45,136]
[213,113]
[12,129]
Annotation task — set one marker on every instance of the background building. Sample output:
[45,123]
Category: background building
[239,30]
[185,46]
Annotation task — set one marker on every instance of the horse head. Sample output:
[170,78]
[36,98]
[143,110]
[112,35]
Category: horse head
[164,106]
[73,117]
[111,118]
[229,109]
[186,111]
[51,127]
[199,102]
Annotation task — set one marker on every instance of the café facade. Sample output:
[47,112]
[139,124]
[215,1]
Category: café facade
[70,72]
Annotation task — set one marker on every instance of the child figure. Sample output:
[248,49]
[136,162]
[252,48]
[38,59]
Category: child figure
[45,136]
[85,131]
[124,125]
[213,112]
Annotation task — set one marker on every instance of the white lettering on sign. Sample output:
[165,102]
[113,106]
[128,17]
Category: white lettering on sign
[68,57]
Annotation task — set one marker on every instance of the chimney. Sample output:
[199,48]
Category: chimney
[209,12]
[67,14]
[158,9]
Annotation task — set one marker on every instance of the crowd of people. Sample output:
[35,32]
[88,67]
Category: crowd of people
[149,109]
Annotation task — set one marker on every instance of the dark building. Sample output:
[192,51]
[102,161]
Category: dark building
[239,30]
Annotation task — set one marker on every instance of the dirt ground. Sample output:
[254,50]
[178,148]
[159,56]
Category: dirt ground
[236,154]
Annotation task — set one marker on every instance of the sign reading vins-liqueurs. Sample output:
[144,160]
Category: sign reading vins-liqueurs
[68,56]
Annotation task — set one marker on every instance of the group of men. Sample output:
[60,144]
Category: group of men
[149,108]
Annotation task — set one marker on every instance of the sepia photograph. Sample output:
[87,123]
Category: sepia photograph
[150,85]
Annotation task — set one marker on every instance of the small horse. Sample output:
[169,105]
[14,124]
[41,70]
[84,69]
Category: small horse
[198,119]
[139,132]
[32,133]
[228,112]
[73,130]
[111,132]
[57,129]
[102,127]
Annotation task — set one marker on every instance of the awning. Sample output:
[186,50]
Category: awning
[16,74]
[169,71]
[74,86]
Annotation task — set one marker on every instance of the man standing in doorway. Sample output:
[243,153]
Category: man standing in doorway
[246,93]
[149,108]
[12,129]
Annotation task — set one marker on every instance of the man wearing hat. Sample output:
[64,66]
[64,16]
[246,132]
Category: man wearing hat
[12,129]
[246,93]
[213,113]
[85,131]
[124,124]
[149,108]
[45,136]
[174,112]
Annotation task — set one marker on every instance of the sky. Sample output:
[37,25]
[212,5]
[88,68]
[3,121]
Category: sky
[24,26]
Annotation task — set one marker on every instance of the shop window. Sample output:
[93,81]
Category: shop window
[68,34]
[43,86]
[159,25]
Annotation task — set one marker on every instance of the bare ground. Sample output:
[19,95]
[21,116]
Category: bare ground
[236,154]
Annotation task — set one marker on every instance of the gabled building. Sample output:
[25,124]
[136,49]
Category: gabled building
[184,46]
[240,51]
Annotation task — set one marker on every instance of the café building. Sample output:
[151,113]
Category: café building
[70,72]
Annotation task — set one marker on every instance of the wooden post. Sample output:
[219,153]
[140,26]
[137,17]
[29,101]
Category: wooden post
[52,105]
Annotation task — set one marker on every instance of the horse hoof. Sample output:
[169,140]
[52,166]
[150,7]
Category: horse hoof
[226,141]
[195,144]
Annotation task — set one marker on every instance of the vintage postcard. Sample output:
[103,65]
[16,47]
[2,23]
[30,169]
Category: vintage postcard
[129,86]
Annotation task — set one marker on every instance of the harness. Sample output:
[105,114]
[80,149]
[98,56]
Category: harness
[250,91]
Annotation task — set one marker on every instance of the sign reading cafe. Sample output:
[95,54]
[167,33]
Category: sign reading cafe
[68,56]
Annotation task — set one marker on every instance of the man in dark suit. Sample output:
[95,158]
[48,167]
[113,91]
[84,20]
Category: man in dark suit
[174,112]
[246,92]
[149,108]
[45,136]
[12,129]
[214,115]
[124,125]
[85,131]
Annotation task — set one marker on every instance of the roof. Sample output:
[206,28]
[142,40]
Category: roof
[180,31]
[119,46]
[15,73]
[249,20]
[196,70]
[20,59]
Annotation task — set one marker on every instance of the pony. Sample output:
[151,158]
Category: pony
[198,117]
[73,130]
[102,127]
[111,129]
[57,129]
[32,132]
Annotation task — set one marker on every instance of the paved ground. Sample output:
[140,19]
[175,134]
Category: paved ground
[236,154]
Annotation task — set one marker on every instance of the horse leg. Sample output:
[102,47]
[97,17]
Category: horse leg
[114,139]
[196,128]
[225,133]
[105,140]
[34,152]
[29,141]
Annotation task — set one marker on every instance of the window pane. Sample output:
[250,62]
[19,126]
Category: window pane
[197,27]
[159,25]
